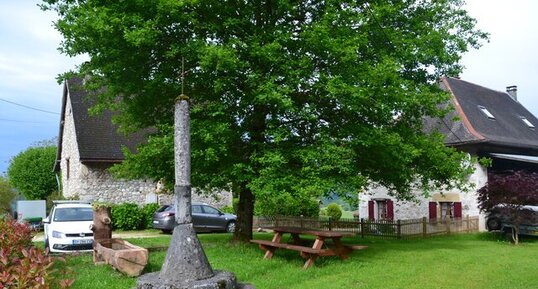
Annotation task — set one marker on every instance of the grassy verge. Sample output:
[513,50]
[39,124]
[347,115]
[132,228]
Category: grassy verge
[460,261]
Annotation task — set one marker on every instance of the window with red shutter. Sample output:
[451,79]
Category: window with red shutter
[390,210]
[457,210]
[371,215]
[433,210]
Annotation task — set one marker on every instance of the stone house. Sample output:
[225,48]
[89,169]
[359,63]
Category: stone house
[89,144]
[484,123]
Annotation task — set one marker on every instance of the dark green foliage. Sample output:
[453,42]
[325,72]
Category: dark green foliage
[7,194]
[334,211]
[147,213]
[23,265]
[30,172]
[127,216]
[298,98]
[285,204]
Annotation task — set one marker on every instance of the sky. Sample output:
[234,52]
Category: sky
[30,63]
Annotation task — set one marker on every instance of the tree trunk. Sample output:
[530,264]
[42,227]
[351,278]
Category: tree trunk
[102,224]
[515,234]
[245,213]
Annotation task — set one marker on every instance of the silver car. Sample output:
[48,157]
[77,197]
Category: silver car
[205,218]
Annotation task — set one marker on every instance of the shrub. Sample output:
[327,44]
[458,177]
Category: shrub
[147,215]
[334,211]
[286,204]
[23,265]
[126,216]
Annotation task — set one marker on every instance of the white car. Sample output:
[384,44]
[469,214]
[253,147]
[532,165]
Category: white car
[67,228]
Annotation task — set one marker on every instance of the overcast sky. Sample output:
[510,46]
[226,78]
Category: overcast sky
[30,62]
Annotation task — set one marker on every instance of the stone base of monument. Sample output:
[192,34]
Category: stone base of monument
[221,280]
[186,267]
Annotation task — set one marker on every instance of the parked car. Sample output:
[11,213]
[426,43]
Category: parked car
[496,219]
[205,218]
[67,228]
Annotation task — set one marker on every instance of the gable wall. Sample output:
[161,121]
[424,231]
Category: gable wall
[93,182]
[415,210]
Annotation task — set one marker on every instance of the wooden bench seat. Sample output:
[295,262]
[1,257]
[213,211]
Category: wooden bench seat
[264,244]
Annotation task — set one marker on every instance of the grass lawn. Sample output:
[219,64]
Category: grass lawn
[461,261]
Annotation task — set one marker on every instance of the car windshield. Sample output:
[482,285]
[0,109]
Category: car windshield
[73,214]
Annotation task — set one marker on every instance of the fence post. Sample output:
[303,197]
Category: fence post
[468,224]
[330,224]
[276,221]
[302,223]
[362,227]
[399,229]
[424,227]
[447,222]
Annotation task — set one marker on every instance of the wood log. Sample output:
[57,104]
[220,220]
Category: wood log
[122,255]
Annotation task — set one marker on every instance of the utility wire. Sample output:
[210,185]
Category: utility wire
[29,107]
[22,121]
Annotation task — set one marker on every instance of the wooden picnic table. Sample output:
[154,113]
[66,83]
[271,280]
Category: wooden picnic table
[310,253]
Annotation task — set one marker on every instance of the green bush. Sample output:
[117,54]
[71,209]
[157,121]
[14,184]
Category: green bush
[126,216]
[286,204]
[334,211]
[147,215]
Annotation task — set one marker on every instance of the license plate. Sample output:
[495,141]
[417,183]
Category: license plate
[84,241]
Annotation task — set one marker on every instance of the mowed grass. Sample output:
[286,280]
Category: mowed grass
[481,260]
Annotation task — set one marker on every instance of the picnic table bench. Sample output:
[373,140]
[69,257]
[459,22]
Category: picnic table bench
[310,253]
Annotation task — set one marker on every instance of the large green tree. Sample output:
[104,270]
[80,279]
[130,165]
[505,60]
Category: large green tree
[7,194]
[289,98]
[30,172]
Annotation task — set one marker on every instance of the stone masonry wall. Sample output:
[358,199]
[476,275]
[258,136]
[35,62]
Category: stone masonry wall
[416,210]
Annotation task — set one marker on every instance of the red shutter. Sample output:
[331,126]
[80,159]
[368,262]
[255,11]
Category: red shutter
[457,209]
[433,210]
[371,210]
[390,210]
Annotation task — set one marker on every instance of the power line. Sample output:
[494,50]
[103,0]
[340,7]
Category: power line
[21,121]
[29,107]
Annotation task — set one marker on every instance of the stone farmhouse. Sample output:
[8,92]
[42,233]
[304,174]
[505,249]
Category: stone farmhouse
[89,144]
[484,123]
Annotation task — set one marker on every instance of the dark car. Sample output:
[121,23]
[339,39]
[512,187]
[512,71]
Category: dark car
[205,218]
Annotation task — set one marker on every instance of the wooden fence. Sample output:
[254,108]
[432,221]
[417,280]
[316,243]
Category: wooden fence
[414,228]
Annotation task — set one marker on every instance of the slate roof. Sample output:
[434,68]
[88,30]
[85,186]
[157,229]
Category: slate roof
[97,137]
[470,129]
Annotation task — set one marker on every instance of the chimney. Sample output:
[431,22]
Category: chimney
[512,91]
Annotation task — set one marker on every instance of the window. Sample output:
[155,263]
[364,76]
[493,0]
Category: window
[382,209]
[210,210]
[527,122]
[447,210]
[68,168]
[486,112]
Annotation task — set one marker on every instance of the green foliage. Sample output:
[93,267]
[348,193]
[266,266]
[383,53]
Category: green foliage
[298,98]
[334,211]
[127,216]
[30,172]
[23,265]
[147,215]
[285,204]
[7,194]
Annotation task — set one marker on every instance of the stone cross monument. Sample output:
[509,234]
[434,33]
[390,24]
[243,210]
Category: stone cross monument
[186,265]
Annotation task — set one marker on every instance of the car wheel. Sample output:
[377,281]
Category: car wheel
[230,227]
[493,224]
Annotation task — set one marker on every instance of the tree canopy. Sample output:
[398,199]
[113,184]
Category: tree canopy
[30,172]
[7,194]
[295,98]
